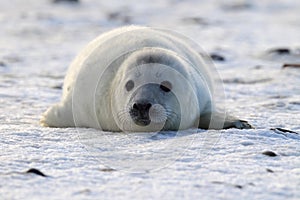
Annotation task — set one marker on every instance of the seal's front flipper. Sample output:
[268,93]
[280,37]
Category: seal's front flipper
[58,116]
[221,121]
[232,122]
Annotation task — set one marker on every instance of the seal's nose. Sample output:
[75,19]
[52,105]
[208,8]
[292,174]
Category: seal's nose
[142,107]
[139,112]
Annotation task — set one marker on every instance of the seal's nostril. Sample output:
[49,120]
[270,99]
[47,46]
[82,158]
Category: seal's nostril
[141,106]
[135,106]
[148,106]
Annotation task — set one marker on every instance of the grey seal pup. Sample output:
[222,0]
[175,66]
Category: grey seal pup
[140,79]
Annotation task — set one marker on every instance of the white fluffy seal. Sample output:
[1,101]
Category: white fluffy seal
[139,79]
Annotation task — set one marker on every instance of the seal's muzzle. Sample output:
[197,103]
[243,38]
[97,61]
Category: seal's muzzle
[139,112]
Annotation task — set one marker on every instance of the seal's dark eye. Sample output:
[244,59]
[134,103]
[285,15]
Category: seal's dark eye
[165,86]
[129,85]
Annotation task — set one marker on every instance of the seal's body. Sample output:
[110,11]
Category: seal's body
[139,79]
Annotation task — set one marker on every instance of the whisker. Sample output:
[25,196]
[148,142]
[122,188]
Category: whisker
[172,118]
[124,119]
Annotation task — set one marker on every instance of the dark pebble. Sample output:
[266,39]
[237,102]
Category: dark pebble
[239,186]
[84,191]
[269,170]
[2,64]
[71,1]
[36,171]
[118,16]
[269,153]
[284,130]
[58,87]
[195,20]
[113,15]
[258,67]
[290,65]
[217,57]
[281,51]
[217,182]
[237,6]
[107,170]
[223,183]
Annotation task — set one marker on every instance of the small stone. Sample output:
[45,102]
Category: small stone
[281,51]
[239,186]
[258,67]
[283,130]
[238,6]
[269,153]
[269,170]
[36,171]
[195,20]
[119,16]
[58,87]
[2,64]
[217,57]
[71,1]
[107,170]
[291,65]
[113,15]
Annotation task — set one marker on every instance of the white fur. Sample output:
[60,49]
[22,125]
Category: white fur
[88,100]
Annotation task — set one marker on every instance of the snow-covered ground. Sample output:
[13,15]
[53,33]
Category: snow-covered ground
[39,39]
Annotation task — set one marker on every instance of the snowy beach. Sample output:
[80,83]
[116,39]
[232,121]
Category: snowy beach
[251,42]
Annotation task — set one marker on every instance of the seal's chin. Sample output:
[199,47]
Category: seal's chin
[146,125]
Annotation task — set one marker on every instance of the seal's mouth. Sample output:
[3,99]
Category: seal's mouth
[142,122]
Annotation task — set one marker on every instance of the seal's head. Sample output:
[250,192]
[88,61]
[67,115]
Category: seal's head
[154,104]
[152,93]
